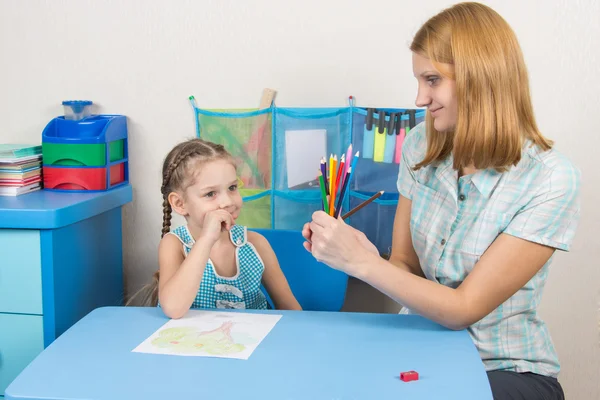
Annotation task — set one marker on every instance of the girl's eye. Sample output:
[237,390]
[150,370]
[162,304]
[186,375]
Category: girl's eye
[211,194]
[233,188]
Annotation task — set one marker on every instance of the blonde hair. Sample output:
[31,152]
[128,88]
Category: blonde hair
[495,115]
[179,169]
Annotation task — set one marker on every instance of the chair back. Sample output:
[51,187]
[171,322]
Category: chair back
[316,286]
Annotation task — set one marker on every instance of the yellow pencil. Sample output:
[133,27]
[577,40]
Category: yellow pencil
[330,173]
[333,186]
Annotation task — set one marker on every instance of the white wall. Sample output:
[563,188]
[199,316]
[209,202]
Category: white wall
[144,58]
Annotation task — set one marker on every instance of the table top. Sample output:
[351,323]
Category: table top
[45,209]
[307,355]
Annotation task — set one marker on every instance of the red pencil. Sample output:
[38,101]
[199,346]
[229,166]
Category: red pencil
[340,169]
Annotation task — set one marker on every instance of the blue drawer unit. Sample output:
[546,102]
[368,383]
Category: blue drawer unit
[21,340]
[20,271]
[60,258]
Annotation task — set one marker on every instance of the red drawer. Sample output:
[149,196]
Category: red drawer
[75,178]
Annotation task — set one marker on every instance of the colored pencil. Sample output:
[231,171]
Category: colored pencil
[339,183]
[355,160]
[324,172]
[348,159]
[363,204]
[333,185]
[323,194]
[352,169]
[330,172]
[340,173]
[342,193]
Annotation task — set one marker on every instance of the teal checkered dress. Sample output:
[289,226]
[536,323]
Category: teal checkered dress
[241,291]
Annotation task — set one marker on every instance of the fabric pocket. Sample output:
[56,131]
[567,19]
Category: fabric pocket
[426,207]
[295,208]
[256,210]
[376,220]
[378,165]
[247,136]
[304,136]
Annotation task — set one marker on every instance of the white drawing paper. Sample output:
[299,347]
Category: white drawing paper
[210,334]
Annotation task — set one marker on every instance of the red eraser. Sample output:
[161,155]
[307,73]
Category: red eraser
[409,376]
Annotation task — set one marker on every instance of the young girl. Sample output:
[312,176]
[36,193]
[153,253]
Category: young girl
[211,262]
[485,201]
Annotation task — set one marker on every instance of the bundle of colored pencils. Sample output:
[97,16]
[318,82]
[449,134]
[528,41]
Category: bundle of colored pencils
[334,180]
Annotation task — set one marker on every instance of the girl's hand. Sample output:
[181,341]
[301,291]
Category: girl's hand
[336,244]
[215,222]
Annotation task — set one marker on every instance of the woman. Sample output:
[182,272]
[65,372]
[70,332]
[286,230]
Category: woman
[484,203]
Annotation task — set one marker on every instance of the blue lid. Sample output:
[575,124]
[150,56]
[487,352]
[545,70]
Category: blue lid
[77,105]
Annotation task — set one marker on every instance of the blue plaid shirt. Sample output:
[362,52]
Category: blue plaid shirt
[453,222]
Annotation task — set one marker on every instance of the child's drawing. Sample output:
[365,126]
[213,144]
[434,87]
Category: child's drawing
[211,334]
[189,340]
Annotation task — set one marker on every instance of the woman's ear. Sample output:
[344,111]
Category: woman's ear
[177,203]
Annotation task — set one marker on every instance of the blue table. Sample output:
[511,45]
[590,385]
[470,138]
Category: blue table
[307,355]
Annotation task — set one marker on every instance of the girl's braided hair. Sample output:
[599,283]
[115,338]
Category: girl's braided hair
[178,173]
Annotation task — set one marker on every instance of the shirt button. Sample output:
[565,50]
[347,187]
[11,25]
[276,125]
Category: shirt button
[462,197]
[443,242]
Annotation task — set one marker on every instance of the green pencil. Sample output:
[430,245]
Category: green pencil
[323,193]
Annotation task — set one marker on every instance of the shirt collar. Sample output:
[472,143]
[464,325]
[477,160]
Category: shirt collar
[486,180]
[447,175]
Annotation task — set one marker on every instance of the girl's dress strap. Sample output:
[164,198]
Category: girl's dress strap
[238,235]
[183,234]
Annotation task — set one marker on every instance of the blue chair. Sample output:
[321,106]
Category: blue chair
[316,286]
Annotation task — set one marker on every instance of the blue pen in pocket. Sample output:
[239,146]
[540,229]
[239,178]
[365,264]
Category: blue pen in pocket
[368,136]
[390,140]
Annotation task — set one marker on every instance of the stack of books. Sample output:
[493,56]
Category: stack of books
[20,169]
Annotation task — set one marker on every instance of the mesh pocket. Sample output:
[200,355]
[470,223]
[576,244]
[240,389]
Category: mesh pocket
[295,208]
[378,166]
[256,210]
[304,136]
[370,176]
[376,220]
[247,136]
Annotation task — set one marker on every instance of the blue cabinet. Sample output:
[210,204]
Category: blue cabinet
[60,257]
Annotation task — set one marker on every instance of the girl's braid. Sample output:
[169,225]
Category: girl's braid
[168,174]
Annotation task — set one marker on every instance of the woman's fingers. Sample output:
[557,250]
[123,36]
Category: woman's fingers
[307,246]
[306,229]
[306,232]
[316,229]
[322,218]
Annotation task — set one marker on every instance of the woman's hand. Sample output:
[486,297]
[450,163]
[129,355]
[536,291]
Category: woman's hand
[336,244]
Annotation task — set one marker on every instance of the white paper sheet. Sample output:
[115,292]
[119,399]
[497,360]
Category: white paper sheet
[303,152]
[210,334]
